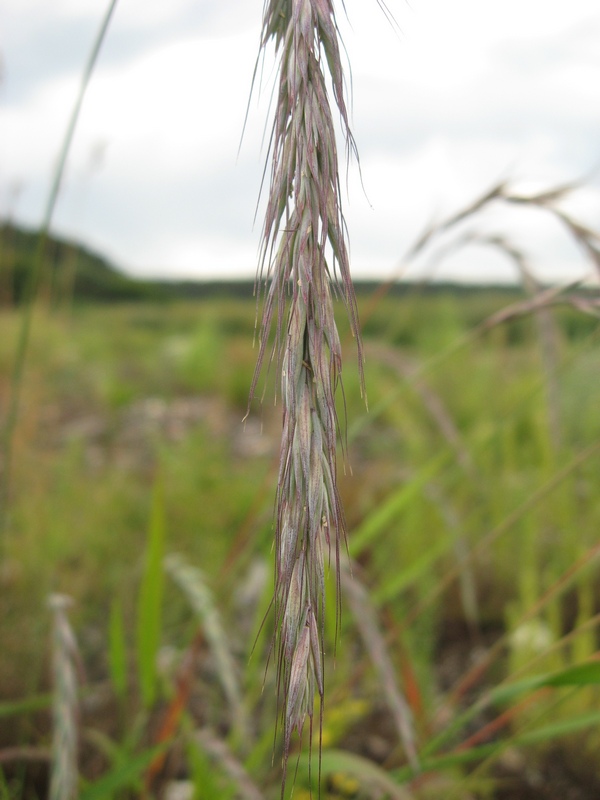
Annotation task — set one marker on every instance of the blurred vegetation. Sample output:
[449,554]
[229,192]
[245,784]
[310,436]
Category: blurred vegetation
[473,528]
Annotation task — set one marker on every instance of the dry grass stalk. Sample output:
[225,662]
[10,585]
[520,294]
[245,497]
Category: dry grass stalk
[303,251]
[554,296]
[366,620]
[192,582]
[448,236]
[443,237]
[546,325]
[64,774]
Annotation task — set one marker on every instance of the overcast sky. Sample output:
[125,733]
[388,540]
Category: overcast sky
[463,94]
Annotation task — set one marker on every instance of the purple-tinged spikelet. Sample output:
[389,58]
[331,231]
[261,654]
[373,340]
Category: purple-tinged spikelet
[303,252]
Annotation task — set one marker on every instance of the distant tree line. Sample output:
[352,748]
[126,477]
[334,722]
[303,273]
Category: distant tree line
[73,271]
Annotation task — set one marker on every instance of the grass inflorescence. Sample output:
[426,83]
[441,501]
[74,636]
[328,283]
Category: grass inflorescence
[303,251]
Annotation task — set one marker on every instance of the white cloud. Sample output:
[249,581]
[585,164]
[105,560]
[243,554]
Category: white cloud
[465,93]
[183,100]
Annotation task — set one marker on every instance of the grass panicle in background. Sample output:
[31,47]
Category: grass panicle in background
[150,600]
[64,772]
[303,250]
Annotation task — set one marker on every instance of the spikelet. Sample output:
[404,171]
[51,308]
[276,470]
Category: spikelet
[304,257]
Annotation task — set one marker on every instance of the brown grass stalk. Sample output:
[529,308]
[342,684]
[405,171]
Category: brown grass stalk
[192,582]
[375,645]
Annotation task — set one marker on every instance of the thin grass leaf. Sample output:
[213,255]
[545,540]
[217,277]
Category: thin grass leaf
[540,735]
[117,649]
[547,733]
[408,370]
[454,759]
[507,523]
[379,520]
[126,775]
[373,779]
[579,675]
[398,582]
[35,273]
[149,607]
[587,674]
[558,729]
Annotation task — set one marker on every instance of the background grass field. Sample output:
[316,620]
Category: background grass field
[470,490]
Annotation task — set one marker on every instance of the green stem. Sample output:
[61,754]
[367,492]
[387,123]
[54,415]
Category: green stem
[32,284]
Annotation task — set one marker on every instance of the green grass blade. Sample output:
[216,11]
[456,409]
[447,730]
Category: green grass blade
[126,775]
[397,583]
[580,675]
[378,520]
[558,729]
[150,600]
[375,780]
[546,733]
[34,703]
[117,649]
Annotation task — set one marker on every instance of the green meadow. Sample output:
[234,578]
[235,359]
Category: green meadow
[468,626]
